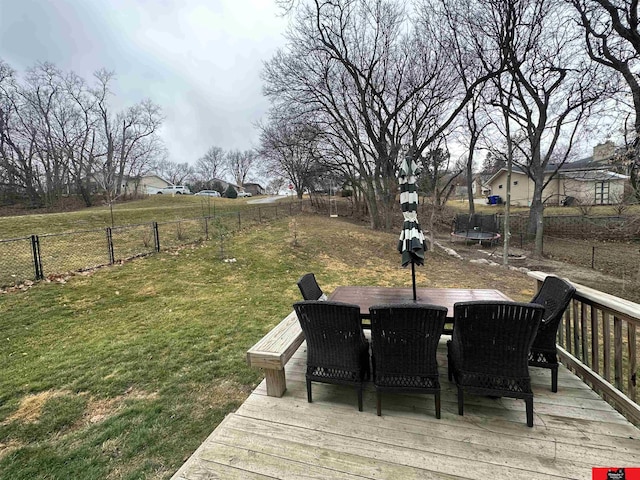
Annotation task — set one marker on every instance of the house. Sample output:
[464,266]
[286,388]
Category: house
[149,184]
[479,185]
[254,188]
[225,185]
[589,181]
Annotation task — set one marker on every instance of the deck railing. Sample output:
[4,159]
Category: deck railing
[598,341]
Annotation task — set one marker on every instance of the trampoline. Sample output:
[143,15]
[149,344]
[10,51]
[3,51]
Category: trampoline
[476,228]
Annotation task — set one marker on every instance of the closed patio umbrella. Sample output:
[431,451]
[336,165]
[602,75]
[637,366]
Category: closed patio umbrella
[411,244]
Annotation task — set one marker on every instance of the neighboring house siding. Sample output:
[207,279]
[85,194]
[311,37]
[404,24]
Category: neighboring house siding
[600,191]
[151,184]
[145,185]
[254,188]
[589,187]
[521,188]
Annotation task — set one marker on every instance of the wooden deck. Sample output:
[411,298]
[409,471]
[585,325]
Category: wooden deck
[288,438]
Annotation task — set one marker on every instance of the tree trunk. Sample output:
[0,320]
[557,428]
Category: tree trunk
[536,216]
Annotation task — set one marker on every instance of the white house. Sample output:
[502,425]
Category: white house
[587,181]
[148,184]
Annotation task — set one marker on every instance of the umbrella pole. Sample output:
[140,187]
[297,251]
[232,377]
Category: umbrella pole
[413,279]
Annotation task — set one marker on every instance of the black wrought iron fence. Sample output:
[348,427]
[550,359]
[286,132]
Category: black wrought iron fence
[38,256]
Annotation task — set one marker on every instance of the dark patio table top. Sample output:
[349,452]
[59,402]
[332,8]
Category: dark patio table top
[366,296]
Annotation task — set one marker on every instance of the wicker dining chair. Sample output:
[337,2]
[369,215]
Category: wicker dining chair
[337,350]
[404,340]
[554,295]
[309,288]
[489,348]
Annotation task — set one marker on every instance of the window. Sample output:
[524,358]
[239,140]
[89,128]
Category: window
[602,193]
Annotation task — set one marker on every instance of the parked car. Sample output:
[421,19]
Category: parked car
[176,190]
[244,194]
[208,193]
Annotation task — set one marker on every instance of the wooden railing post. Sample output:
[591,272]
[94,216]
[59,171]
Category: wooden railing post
[632,342]
[606,345]
[576,331]
[595,341]
[611,370]
[617,353]
[584,333]
[567,329]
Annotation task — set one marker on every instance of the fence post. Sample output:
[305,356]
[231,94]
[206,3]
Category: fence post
[593,256]
[37,260]
[206,228]
[156,236]
[110,246]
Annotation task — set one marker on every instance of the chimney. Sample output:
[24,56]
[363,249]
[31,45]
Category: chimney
[604,150]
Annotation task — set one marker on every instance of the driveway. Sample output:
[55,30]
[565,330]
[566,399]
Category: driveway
[270,199]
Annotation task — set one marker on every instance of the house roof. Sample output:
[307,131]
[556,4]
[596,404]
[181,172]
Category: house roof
[577,170]
[224,182]
[513,170]
[593,175]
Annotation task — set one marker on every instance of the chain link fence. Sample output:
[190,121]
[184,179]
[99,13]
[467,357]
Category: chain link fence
[17,257]
[621,259]
[39,256]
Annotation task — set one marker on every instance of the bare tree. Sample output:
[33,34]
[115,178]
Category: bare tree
[175,173]
[210,166]
[240,164]
[612,39]
[58,135]
[374,76]
[439,173]
[290,150]
[18,140]
[555,88]
[79,138]
[474,123]
[127,138]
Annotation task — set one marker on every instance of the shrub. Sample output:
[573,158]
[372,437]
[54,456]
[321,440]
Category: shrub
[230,192]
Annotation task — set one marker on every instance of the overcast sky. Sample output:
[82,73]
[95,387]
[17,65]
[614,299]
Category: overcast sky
[199,59]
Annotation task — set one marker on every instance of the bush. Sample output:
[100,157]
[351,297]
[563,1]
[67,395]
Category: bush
[231,192]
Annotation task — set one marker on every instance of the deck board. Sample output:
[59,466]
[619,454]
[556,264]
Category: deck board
[288,438]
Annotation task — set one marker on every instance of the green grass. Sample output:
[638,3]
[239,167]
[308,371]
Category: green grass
[125,372]
[159,208]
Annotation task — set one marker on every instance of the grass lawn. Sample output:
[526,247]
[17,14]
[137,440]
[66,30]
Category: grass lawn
[124,372]
[159,208]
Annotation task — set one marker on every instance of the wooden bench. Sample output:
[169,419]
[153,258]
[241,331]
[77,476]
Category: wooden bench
[274,350]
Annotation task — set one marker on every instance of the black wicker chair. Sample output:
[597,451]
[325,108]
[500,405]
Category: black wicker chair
[554,295]
[404,340]
[337,350]
[309,288]
[489,348]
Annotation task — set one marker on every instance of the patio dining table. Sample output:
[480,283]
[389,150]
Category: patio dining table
[366,296]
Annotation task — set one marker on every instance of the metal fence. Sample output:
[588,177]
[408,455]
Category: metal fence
[39,256]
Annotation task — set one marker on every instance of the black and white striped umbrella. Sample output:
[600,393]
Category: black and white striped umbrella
[411,244]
